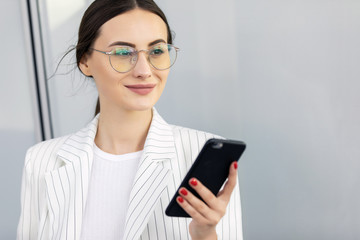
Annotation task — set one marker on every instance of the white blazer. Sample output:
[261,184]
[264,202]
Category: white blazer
[56,180]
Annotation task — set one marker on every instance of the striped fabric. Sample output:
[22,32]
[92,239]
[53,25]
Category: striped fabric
[56,180]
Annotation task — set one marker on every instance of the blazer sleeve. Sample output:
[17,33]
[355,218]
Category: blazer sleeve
[32,201]
[230,226]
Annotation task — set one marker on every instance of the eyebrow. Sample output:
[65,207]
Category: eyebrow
[133,45]
[156,41]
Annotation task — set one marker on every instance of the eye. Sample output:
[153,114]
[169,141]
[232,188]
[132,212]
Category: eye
[157,50]
[123,51]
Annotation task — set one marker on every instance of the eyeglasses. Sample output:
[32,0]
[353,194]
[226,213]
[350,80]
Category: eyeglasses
[124,58]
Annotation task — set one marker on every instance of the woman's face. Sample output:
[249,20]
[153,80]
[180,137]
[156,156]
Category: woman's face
[140,29]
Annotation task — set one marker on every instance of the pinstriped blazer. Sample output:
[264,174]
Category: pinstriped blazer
[56,179]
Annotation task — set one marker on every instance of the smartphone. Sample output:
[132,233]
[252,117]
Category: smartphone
[211,167]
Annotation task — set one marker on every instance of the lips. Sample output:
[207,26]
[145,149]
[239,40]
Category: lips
[141,89]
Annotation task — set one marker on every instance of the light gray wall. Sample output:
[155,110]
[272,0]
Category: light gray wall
[300,71]
[281,75]
[19,127]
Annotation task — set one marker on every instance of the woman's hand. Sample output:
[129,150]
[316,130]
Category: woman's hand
[205,217]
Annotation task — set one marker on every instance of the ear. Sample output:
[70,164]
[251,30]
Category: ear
[84,67]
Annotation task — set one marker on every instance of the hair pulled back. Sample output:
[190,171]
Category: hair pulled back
[101,11]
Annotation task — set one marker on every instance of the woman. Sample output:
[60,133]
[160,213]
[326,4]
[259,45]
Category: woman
[114,178]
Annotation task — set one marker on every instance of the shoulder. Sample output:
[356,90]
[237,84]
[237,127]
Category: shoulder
[43,153]
[181,132]
[190,138]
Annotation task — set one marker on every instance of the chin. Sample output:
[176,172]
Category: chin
[141,107]
[140,103]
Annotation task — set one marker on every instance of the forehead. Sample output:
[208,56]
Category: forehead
[137,26]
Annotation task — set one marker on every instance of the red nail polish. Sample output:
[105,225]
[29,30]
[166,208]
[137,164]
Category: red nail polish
[235,165]
[180,199]
[193,182]
[183,191]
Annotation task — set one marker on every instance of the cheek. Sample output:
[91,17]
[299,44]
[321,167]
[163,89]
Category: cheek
[162,79]
[105,77]
[163,75]
[99,68]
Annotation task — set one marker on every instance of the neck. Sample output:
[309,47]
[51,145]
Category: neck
[122,131]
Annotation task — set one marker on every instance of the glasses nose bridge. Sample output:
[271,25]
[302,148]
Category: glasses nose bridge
[137,57]
[146,52]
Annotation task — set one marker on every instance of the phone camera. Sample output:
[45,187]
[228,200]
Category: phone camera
[217,145]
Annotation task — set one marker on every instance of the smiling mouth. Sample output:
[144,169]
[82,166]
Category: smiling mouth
[141,86]
[141,89]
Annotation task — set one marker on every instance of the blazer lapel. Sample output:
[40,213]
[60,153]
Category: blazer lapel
[151,178]
[68,185]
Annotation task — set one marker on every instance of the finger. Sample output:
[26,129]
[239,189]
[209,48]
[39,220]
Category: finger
[230,184]
[204,192]
[198,204]
[195,215]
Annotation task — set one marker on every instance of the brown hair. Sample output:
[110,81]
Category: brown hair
[101,11]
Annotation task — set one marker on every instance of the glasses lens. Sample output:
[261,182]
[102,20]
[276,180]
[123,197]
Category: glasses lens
[122,59]
[162,56]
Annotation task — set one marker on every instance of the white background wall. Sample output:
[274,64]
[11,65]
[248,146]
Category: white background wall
[285,74]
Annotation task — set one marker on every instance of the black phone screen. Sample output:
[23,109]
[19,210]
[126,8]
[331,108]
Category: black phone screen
[211,167]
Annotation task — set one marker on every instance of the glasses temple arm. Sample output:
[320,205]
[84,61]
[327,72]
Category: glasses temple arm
[107,53]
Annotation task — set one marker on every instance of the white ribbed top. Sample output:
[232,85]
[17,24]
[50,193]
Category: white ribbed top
[111,181]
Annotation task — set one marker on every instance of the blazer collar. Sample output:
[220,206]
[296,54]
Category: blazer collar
[150,180]
[159,143]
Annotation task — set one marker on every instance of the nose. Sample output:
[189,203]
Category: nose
[142,68]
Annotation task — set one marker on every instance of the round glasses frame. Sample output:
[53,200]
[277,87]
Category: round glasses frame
[110,53]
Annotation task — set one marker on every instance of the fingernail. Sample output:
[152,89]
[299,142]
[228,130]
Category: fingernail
[193,182]
[235,165]
[183,191]
[180,199]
